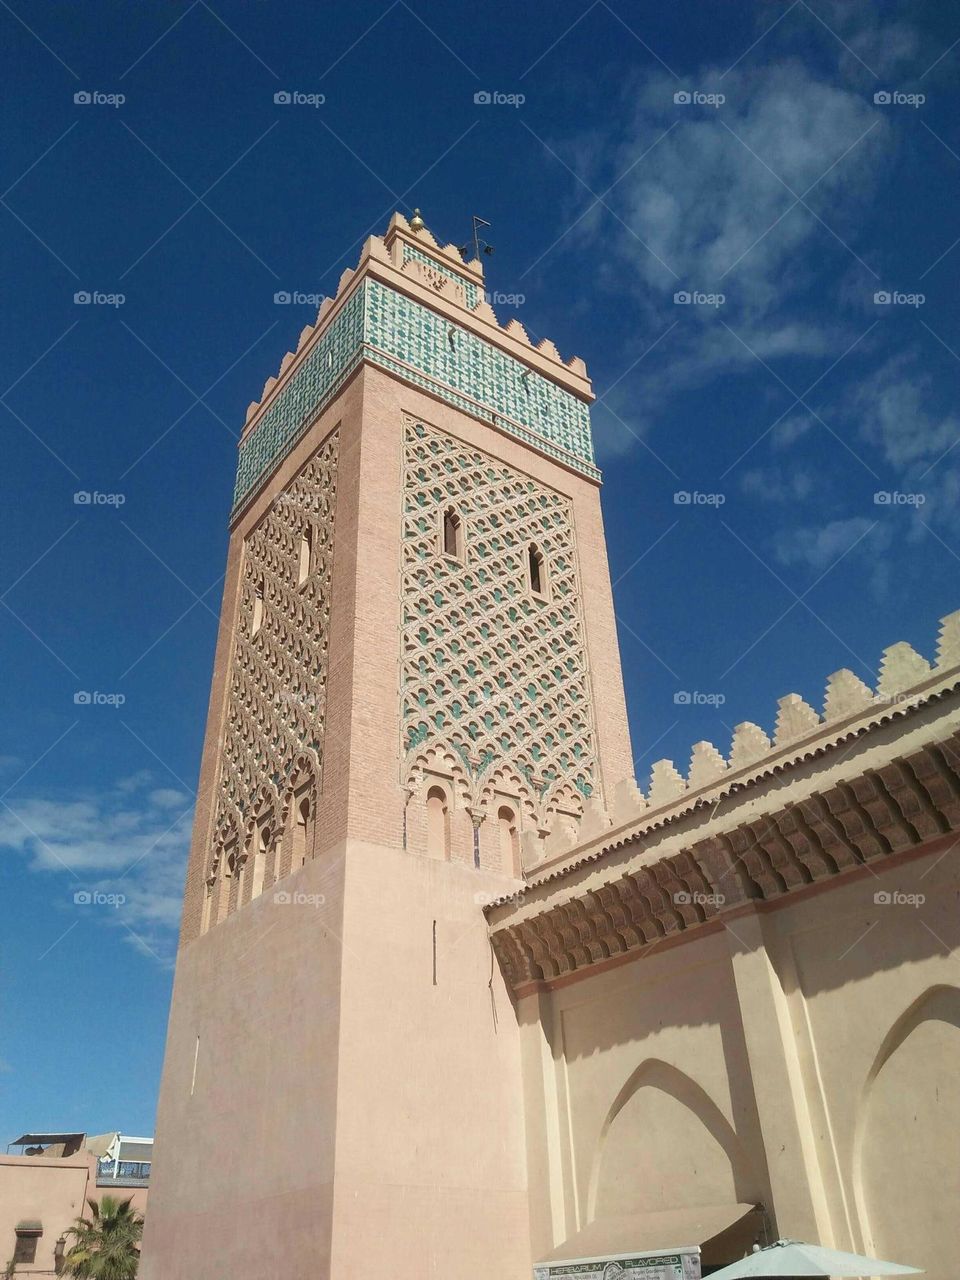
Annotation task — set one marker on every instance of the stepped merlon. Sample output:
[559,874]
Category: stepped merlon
[416,309]
[905,680]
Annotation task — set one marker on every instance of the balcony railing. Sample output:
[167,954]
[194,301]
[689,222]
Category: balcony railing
[123,1180]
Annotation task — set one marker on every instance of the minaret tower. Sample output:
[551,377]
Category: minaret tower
[416,696]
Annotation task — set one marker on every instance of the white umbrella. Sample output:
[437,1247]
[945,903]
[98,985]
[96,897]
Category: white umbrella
[793,1258]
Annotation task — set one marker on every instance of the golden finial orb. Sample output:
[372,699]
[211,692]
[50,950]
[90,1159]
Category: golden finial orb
[416,222]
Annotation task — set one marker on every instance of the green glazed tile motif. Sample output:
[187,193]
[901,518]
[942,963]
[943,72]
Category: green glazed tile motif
[314,384]
[529,405]
[471,291]
[421,347]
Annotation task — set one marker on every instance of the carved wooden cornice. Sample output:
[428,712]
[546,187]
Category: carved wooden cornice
[893,809]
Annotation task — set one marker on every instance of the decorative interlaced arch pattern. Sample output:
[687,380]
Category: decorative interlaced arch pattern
[274,726]
[490,669]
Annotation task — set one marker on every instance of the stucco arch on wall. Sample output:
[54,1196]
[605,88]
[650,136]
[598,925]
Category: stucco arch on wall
[940,1002]
[654,1073]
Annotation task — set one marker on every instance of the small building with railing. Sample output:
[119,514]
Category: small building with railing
[46,1181]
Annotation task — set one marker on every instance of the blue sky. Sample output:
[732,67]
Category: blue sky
[783,185]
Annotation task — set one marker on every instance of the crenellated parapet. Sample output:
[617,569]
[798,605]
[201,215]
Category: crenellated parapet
[415,309]
[832,798]
[798,732]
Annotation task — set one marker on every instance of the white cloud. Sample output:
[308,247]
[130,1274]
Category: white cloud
[169,798]
[779,484]
[130,840]
[788,431]
[818,547]
[706,201]
[898,412]
[886,47]
[713,189]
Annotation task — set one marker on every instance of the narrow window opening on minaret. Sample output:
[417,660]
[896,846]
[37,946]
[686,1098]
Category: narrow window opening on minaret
[207,909]
[509,841]
[301,833]
[257,621]
[262,847]
[453,542]
[438,824]
[537,570]
[306,555]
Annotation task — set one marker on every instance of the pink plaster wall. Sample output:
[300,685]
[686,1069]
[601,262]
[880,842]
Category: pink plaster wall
[55,1192]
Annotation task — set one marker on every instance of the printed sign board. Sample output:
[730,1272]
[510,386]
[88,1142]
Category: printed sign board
[683,1265]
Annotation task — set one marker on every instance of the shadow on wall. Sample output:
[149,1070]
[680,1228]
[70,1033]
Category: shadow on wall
[906,1163]
[702,1160]
[818,931]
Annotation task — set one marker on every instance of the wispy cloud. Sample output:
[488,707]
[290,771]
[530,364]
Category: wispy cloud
[712,199]
[780,484]
[128,844]
[818,546]
[899,412]
[761,200]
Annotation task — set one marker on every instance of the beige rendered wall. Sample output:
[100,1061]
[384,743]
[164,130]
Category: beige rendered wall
[874,994]
[805,1057]
[244,1157]
[430,1166]
[50,1191]
[642,1096]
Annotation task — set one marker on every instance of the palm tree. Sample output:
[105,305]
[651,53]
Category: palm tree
[107,1244]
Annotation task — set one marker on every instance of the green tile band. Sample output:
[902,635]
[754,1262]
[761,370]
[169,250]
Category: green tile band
[427,350]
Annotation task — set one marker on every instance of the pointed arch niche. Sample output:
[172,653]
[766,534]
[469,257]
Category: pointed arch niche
[906,1160]
[664,1124]
[438,822]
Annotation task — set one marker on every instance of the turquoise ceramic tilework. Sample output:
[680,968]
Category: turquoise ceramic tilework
[313,384]
[420,346]
[471,291]
[460,361]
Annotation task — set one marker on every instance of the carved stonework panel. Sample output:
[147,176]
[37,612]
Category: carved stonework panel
[274,722]
[493,669]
